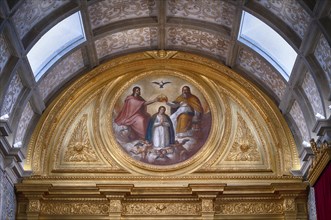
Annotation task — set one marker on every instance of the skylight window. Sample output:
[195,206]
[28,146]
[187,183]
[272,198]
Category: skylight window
[63,37]
[267,42]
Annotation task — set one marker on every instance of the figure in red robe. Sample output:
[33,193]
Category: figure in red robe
[134,114]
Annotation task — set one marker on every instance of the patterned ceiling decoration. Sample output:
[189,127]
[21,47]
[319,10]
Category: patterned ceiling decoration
[323,55]
[256,66]
[291,12]
[31,12]
[24,123]
[179,37]
[311,91]
[299,118]
[105,12]
[215,11]
[60,73]
[11,95]
[4,53]
[131,39]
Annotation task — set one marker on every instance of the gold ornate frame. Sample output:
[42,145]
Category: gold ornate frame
[245,161]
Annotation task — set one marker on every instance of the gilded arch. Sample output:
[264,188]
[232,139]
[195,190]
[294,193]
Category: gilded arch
[248,147]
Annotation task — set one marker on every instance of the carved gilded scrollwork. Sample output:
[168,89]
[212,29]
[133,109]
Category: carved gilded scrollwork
[244,147]
[245,208]
[74,208]
[158,208]
[79,149]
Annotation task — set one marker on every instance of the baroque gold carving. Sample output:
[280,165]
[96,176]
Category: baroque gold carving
[79,149]
[158,208]
[244,147]
[322,156]
[77,208]
[207,205]
[34,206]
[289,204]
[115,206]
[245,208]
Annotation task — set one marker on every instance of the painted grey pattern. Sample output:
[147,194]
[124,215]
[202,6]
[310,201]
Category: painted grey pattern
[198,40]
[311,91]
[323,55]
[289,11]
[7,198]
[134,38]
[311,204]
[297,115]
[104,12]
[4,53]
[215,11]
[24,123]
[11,95]
[61,71]
[260,68]
[31,12]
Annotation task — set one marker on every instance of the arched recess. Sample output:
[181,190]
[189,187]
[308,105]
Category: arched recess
[239,162]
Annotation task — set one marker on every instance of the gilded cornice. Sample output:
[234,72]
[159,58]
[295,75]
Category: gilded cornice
[322,157]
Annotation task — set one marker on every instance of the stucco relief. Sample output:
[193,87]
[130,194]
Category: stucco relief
[244,147]
[79,149]
[219,12]
[11,95]
[291,13]
[33,11]
[4,53]
[323,55]
[197,39]
[258,67]
[104,12]
[24,122]
[62,71]
[300,121]
[309,86]
[134,38]
[8,199]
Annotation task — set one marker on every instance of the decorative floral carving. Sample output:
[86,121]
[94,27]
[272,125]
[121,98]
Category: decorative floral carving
[32,11]
[162,208]
[34,206]
[323,55]
[78,208]
[242,208]
[12,93]
[199,40]
[289,204]
[115,206]
[244,147]
[207,205]
[299,119]
[79,149]
[215,11]
[104,12]
[62,71]
[4,52]
[290,12]
[134,38]
[24,122]
[255,65]
[310,88]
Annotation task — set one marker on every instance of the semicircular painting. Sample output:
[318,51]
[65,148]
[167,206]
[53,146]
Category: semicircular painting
[161,120]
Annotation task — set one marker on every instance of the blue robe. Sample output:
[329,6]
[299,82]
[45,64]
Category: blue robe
[149,132]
